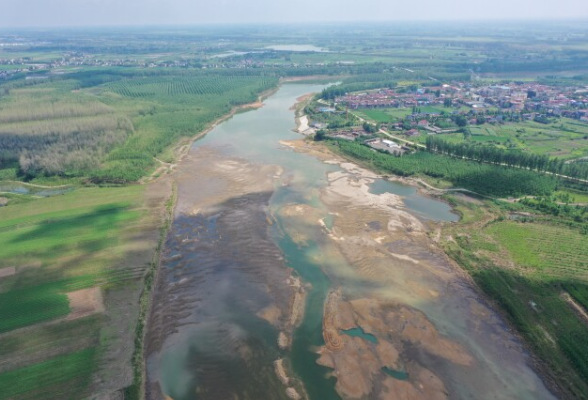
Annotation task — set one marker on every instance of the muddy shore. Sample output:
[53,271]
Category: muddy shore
[218,257]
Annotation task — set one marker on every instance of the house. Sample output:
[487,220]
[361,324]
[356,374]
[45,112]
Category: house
[412,132]
[390,143]
[423,122]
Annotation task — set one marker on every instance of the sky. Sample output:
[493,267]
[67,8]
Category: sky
[64,13]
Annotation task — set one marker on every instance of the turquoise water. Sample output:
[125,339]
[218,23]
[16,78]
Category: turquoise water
[358,332]
[400,375]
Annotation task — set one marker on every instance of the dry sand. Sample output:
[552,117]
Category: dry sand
[6,272]
[85,302]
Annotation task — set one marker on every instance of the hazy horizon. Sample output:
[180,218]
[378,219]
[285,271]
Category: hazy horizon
[103,13]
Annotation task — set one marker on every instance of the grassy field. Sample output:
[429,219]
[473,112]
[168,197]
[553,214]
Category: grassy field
[565,138]
[531,270]
[88,238]
[384,115]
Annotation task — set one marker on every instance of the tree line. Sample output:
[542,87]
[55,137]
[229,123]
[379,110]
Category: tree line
[516,159]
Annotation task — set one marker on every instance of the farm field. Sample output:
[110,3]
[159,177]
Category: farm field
[532,270]
[71,263]
[565,139]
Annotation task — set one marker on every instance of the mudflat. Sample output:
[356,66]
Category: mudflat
[219,269]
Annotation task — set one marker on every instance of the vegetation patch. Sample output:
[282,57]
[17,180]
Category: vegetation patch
[529,268]
[491,180]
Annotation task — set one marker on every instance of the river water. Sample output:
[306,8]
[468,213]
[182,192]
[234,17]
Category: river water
[206,338]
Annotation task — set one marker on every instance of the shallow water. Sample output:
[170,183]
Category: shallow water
[358,332]
[18,188]
[217,347]
[419,205]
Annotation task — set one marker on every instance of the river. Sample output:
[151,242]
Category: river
[266,240]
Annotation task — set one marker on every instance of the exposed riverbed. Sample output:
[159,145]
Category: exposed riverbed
[289,273]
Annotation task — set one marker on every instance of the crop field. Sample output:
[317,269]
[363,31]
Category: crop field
[566,138]
[529,269]
[553,252]
[66,376]
[83,239]
[190,85]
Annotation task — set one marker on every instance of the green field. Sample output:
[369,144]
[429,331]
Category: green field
[528,268]
[384,115]
[58,245]
[549,251]
[566,138]
[66,376]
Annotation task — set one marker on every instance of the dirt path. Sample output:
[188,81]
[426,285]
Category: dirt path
[577,307]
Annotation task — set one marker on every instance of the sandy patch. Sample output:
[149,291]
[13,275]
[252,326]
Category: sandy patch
[281,372]
[359,363]
[6,272]
[271,314]
[578,308]
[85,302]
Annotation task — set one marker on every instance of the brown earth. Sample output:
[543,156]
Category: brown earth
[85,302]
[6,272]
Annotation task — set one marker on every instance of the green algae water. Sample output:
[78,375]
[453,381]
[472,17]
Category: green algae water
[197,359]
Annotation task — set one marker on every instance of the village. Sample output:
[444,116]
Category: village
[529,100]
[396,120]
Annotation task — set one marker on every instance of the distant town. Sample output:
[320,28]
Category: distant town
[531,98]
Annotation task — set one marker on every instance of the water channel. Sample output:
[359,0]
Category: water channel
[200,356]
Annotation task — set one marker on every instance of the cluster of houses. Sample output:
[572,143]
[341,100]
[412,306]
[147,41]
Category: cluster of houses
[386,145]
[527,98]
[389,98]
[348,134]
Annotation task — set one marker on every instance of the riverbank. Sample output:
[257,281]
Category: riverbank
[182,148]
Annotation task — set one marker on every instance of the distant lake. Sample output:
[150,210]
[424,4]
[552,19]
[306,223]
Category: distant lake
[296,47]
